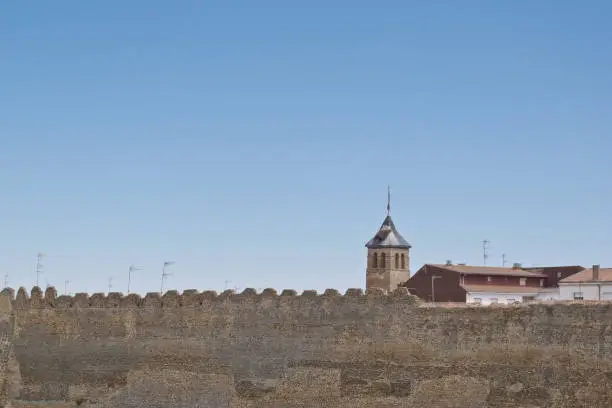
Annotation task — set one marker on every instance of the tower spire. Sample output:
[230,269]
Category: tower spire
[388,200]
[388,261]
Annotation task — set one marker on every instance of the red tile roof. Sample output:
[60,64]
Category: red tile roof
[555,268]
[605,275]
[502,289]
[490,270]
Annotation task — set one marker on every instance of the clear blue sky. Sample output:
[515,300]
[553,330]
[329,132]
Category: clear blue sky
[254,141]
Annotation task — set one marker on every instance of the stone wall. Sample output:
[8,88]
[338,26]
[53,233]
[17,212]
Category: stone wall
[311,350]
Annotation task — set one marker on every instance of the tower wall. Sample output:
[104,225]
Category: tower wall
[387,277]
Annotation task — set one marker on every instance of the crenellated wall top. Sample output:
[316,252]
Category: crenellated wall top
[192,297]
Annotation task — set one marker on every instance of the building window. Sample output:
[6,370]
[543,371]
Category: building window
[578,296]
[383,260]
[558,275]
[397,263]
[489,279]
[462,279]
[493,301]
[541,283]
[403,261]
[477,300]
[523,281]
[374,260]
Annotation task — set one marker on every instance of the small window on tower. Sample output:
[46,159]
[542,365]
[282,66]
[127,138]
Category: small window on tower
[403,262]
[397,261]
[383,260]
[374,260]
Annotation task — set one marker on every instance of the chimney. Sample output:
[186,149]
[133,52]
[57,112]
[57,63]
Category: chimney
[449,262]
[595,272]
[516,265]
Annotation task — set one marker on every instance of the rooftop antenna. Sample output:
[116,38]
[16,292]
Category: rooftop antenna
[485,247]
[39,266]
[164,275]
[503,260]
[388,200]
[130,270]
[6,280]
[225,284]
[66,283]
[110,284]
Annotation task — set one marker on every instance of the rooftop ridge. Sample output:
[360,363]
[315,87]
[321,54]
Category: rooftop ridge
[192,297]
[474,266]
[486,270]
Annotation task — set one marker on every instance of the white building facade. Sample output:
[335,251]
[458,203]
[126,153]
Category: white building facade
[585,291]
[548,294]
[591,284]
[507,295]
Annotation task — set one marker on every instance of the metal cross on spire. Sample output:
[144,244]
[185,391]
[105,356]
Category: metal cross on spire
[388,200]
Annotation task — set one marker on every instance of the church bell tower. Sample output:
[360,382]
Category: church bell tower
[388,263]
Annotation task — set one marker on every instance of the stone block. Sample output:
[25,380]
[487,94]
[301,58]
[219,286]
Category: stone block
[451,392]
[309,382]
[173,389]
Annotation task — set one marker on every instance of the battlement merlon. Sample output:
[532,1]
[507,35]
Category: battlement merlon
[192,297]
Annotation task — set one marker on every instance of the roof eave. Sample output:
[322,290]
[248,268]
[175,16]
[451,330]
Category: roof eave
[388,247]
[516,274]
[504,293]
[584,282]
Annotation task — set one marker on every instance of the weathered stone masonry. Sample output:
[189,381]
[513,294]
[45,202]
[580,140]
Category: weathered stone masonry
[267,350]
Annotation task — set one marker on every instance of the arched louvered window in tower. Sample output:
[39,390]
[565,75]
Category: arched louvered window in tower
[374,260]
[383,260]
[397,261]
[403,262]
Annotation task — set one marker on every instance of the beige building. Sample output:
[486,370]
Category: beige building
[388,263]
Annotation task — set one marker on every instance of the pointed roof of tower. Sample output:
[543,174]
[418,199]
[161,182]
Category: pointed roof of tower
[388,236]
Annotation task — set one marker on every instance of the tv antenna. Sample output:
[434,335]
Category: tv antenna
[66,283]
[164,275]
[6,280]
[485,248]
[130,270]
[110,284]
[39,267]
[503,260]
